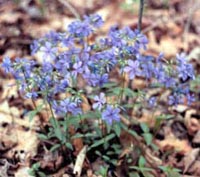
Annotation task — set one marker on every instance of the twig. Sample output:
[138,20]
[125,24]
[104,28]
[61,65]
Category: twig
[70,7]
[140,14]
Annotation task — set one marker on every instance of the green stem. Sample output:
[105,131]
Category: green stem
[53,116]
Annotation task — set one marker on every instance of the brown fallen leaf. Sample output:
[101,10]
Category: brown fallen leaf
[173,143]
[195,169]
[4,169]
[90,173]
[76,142]
[196,138]
[192,124]
[190,158]
[65,175]
[79,161]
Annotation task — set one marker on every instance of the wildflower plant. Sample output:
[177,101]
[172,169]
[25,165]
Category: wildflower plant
[73,57]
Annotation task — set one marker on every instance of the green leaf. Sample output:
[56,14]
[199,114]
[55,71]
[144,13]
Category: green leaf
[36,166]
[110,84]
[108,127]
[53,122]
[148,138]
[65,125]
[57,129]
[165,116]
[154,147]
[41,174]
[106,145]
[31,172]
[110,153]
[42,136]
[132,132]
[114,161]
[117,129]
[59,133]
[79,135]
[73,120]
[159,120]
[129,105]
[142,161]
[134,174]
[69,145]
[32,114]
[140,168]
[98,153]
[106,158]
[116,90]
[163,168]
[54,147]
[147,174]
[98,131]
[103,171]
[144,127]
[129,92]
[91,115]
[102,141]
[173,174]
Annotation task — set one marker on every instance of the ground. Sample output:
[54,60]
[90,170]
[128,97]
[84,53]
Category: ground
[171,27]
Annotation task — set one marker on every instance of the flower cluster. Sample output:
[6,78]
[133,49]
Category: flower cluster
[72,55]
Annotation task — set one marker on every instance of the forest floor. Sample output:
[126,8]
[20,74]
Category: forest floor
[171,27]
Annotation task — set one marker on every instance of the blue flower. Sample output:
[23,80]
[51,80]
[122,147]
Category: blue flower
[90,78]
[31,95]
[116,38]
[185,71]
[99,101]
[102,79]
[7,65]
[66,106]
[168,81]
[190,98]
[160,56]
[49,51]
[181,58]
[62,63]
[128,33]
[77,68]
[61,86]
[68,41]
[94,20]
[111,114]
[141,40]
[132,69]
[79,29]
[152,101]
[34,47]
[147,69]
[53,36]
[95,79]
[159,73]
[175,99]
[47,67]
